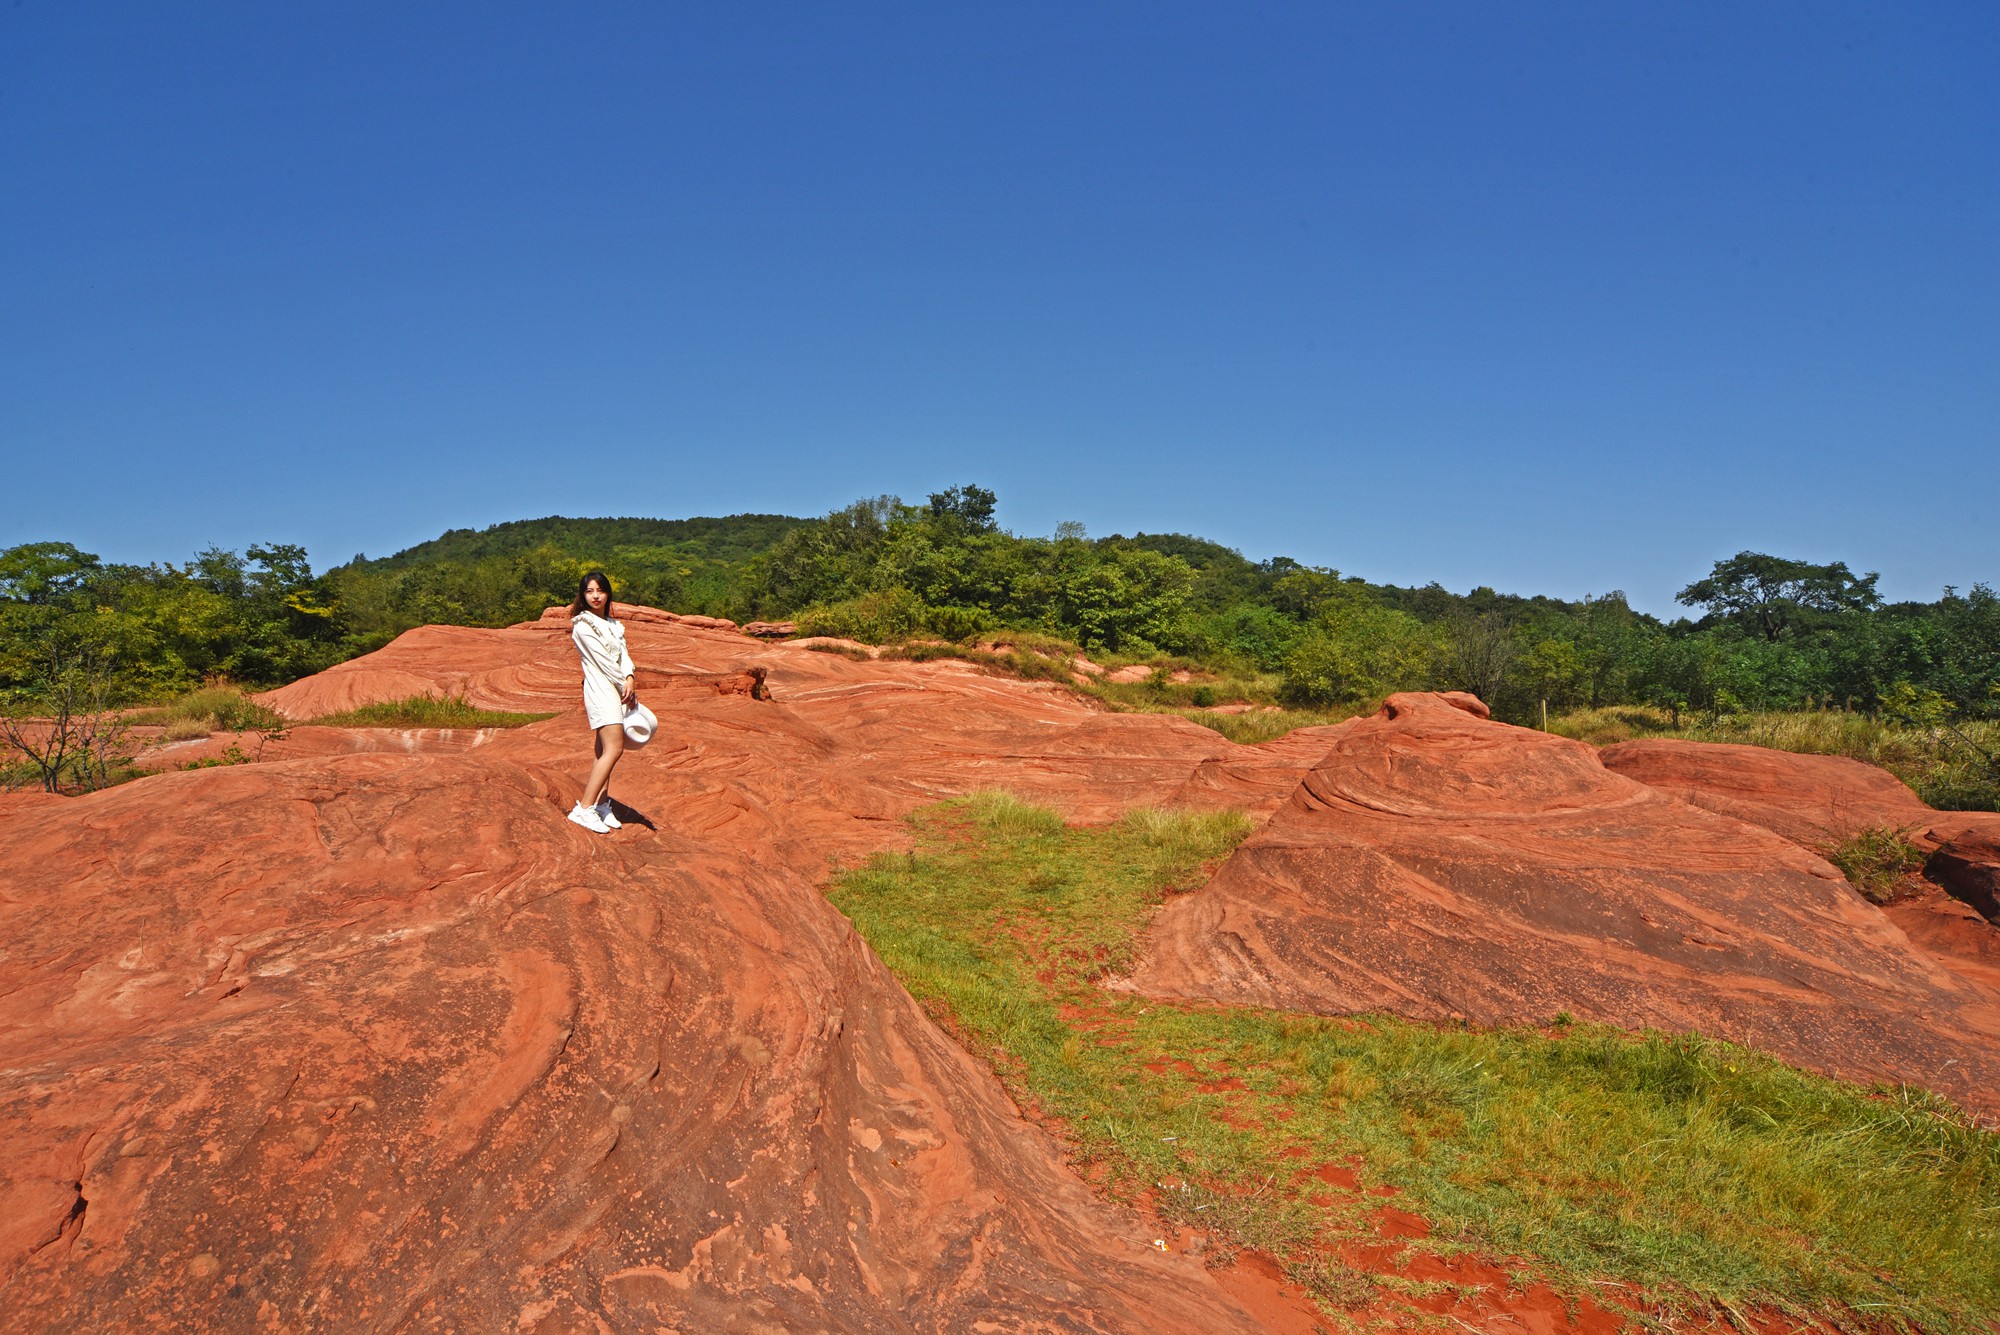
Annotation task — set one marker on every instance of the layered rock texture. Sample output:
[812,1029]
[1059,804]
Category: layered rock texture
[1818,801]
[365,1037]
[1443,866]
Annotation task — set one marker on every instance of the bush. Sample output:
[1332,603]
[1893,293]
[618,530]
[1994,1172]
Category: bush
[872,618]
[957,623]
[1359,650]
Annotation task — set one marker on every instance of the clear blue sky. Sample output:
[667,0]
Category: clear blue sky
[1556,298]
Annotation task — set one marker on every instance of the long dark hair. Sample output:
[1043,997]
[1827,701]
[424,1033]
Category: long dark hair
[580,605]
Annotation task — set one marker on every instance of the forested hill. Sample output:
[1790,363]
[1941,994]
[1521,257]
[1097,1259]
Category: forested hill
[729,538]
[1766,632]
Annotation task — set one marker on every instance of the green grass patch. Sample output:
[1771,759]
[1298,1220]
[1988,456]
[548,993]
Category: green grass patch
[1880,862]
[1706,1173]
[1267,725]
[427,711]
[217,708]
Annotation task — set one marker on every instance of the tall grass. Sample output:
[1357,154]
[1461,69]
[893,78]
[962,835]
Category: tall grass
[216,708]
[427,711]
[1704,1173]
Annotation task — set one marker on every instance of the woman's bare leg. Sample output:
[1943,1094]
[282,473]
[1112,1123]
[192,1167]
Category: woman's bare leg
[610,746]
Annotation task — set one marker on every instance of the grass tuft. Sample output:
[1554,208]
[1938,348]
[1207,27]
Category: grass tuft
[217,708]
[427,711]
[1706,1174]
[1267,725]
[1880,862]
[1003,813]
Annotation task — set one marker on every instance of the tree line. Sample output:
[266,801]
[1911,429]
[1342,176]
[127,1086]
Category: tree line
[1762,632]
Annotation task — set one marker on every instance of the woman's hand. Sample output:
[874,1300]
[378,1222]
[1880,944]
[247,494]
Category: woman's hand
[626,693]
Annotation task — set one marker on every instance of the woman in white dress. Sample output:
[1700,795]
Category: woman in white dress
[607,690]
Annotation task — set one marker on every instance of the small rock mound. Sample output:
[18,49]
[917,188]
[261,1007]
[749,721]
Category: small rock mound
[1815,801]
[1810,800]
[1442,866]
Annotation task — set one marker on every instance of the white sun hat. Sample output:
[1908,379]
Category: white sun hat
[639,724]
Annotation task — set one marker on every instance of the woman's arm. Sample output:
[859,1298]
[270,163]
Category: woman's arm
[626,692]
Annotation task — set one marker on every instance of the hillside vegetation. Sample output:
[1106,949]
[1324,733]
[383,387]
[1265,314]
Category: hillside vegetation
[1764,633]
[1706,1176]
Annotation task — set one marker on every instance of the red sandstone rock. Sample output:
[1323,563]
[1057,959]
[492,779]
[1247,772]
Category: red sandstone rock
[366,1036]
[1811,800]
[531,668]
[392,1047]
[1952,932]
[771,630]
[834,642]
[1440,865]
[1817,801]
[1967,861]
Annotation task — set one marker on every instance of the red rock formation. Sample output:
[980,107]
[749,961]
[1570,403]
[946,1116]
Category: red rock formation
[365,1036]
[1815,801]
[1440,865]
[1811,800]
[1967,861]
[355,1039]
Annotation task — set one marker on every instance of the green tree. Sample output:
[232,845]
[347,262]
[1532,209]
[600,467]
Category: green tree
[41,573]
[1555,671]
[1357,650]
[1775,597]
[967,508]
[1479,650]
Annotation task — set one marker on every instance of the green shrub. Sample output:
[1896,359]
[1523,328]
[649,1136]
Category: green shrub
[873,618]
[957,623]
[1359,650]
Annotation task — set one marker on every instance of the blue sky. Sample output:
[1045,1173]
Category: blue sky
[1555,298]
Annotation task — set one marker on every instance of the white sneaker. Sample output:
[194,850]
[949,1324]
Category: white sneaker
[604,813]
[588,819]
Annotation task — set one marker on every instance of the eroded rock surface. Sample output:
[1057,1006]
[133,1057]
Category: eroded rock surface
[1439,865]
[367,1037]
[364,1036]
[1811,800]
[1967,861]
[1818,801]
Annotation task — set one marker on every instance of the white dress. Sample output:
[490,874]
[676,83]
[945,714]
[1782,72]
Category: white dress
[606,665]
